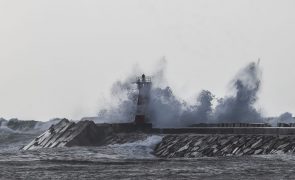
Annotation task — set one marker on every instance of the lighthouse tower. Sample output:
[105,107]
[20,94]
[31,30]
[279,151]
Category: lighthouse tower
[144,86]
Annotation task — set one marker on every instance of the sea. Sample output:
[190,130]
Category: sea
[129,161]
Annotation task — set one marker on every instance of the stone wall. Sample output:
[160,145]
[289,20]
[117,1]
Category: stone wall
[174,146]
[86,133]
[67,133]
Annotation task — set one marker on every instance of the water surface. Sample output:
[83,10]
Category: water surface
[130,161]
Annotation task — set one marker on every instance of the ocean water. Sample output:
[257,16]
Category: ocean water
[130,161]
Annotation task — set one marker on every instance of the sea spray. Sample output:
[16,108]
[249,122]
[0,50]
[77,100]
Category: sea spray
[240,106]
[201,111]
[167,110]
[139,149]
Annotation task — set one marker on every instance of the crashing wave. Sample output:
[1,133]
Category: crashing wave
[139,149]
[25,126]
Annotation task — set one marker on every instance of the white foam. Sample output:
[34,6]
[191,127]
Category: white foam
[137,150]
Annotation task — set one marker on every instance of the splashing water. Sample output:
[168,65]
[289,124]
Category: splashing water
[240,107]
[166,110]
[139,149]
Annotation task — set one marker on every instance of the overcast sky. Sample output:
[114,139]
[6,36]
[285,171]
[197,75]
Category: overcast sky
[58,58]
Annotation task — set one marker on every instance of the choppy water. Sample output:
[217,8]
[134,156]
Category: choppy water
[130,161]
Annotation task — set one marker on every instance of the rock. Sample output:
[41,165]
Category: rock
[223,145]
[235,150]
[257,144]
[183,148]
[258,151]
[66,133]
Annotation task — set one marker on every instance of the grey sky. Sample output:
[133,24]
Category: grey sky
[58,58]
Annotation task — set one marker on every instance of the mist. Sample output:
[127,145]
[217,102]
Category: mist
[240,106]
[165,109]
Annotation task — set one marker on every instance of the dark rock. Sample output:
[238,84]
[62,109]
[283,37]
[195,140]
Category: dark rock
[223,145]
[66,133]
[87,133]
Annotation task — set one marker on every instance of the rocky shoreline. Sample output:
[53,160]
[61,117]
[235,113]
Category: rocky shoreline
[193,145]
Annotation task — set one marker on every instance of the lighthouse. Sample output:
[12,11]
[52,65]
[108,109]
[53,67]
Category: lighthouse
[144,84]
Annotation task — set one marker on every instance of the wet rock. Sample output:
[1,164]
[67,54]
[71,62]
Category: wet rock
[258,151]
[67,133]
[223,145]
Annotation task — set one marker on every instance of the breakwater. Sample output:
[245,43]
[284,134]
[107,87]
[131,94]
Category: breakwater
[177,142]
[86,133]
[194,145]
[228,130]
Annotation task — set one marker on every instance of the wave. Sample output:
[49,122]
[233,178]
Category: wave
[42,126]
[27,127]
[4,130]
[137,150]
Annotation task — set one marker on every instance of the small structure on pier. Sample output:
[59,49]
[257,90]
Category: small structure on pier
[144,85]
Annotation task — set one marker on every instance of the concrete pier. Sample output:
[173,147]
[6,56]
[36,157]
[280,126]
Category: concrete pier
[228,130]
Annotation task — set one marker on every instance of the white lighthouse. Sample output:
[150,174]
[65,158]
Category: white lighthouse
[144,84]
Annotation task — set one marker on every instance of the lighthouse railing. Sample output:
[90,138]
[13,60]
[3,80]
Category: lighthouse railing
[147,79]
